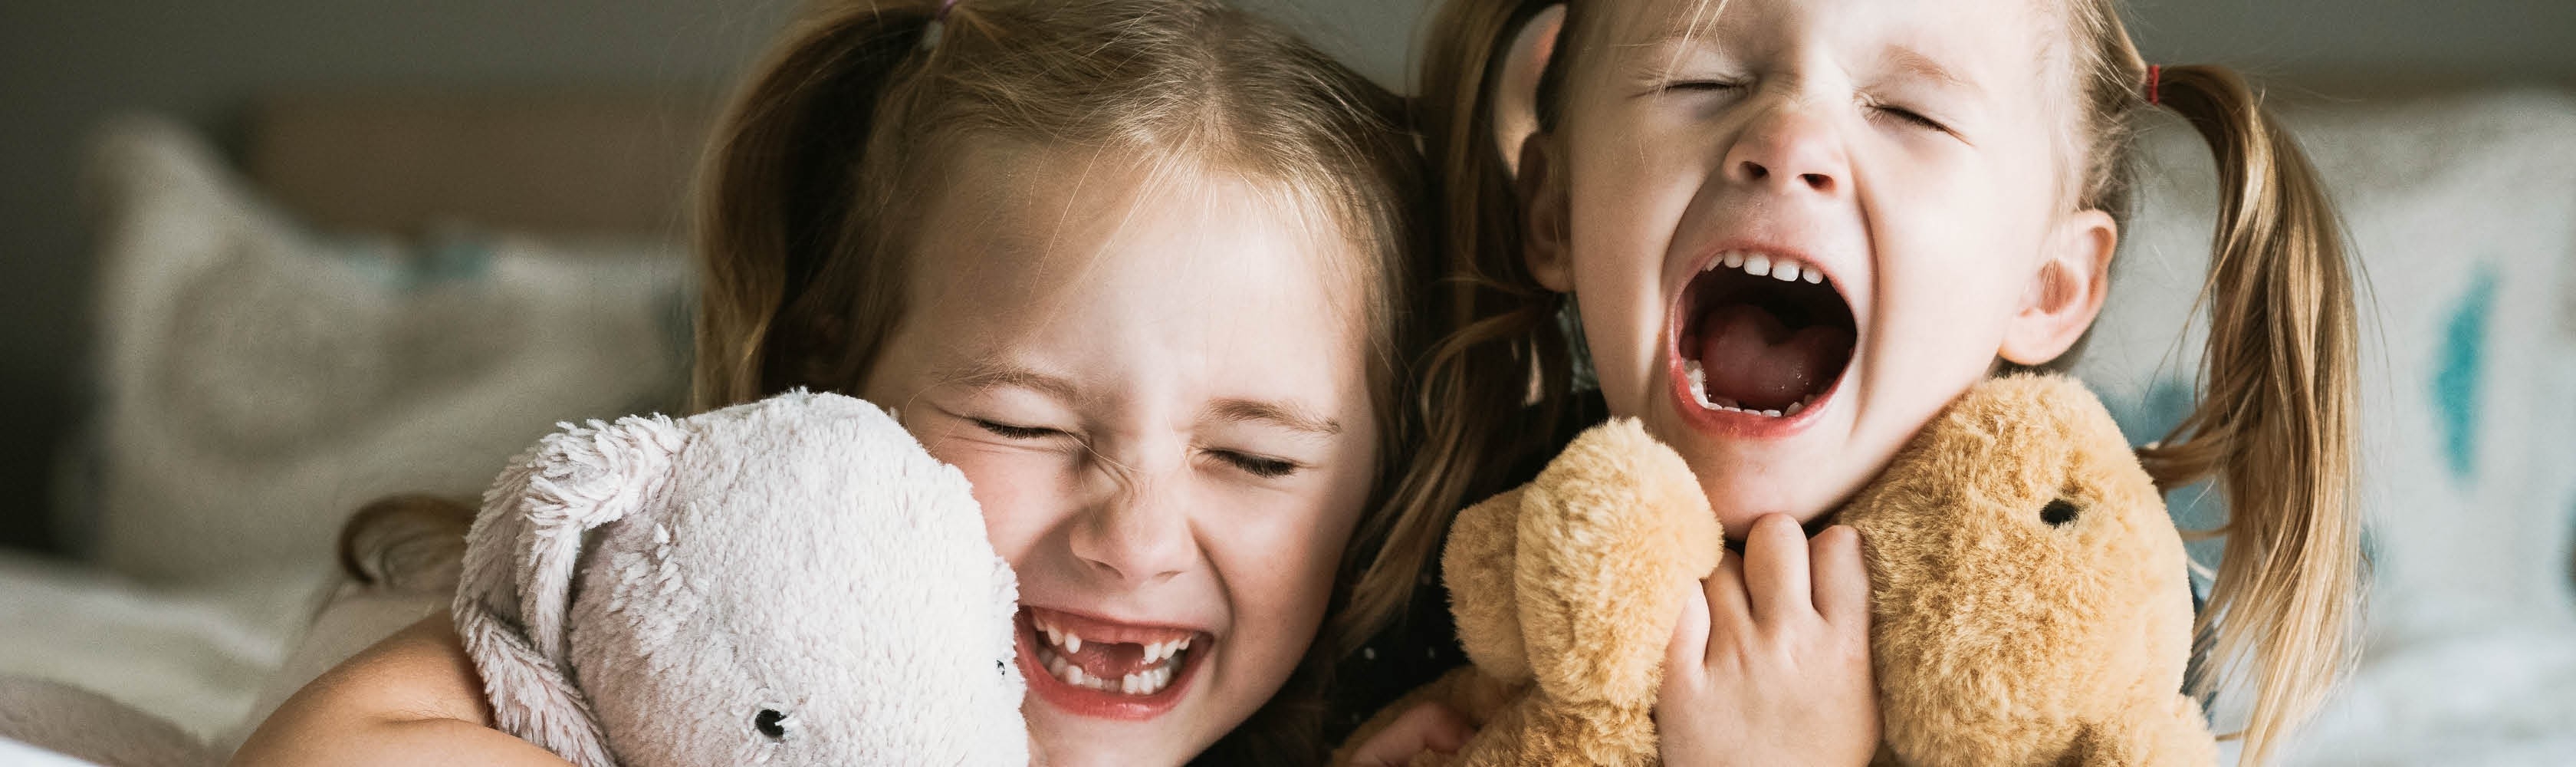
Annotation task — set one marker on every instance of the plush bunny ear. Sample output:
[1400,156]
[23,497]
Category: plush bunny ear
[519,558]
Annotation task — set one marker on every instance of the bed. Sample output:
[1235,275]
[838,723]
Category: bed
[403,290]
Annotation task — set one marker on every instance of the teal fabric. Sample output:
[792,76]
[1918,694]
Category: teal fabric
[2459,370]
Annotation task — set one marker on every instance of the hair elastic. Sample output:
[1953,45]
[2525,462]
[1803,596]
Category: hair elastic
[2155,82]
[938,26]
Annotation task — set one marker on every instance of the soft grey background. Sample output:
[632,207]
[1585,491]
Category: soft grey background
[65,64]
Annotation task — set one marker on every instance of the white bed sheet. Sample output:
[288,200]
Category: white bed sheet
[198,656]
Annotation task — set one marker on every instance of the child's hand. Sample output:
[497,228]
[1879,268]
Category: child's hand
[1427,726]
[1770,665]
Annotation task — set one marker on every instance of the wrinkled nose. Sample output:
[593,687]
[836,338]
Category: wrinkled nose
[1790,149]
[1139,535]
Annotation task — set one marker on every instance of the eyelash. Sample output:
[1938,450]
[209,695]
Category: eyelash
[1704,86]
[1721,86]
[1008,431]
[1910,116]
[1258,466]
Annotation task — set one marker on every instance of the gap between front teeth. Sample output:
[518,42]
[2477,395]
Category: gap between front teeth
[1145,682]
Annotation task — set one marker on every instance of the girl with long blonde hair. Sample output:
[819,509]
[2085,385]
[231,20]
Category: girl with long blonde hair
[1138,268]
[1783,234]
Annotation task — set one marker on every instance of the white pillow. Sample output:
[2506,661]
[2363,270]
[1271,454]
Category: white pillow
[258,382]
[2462,215]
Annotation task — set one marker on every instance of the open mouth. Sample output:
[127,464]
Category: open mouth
[1106,668]
[1762,335]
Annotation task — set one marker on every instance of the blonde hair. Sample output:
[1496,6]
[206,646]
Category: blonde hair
[2274,424]
[812,187]
[2278,381]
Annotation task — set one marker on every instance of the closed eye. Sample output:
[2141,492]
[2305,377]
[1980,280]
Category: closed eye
[1704,86]
[1009,431]
[1908,116]
[1261,466]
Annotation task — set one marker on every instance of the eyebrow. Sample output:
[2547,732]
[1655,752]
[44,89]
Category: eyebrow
[983,378]
[1914,62]
[1277,413]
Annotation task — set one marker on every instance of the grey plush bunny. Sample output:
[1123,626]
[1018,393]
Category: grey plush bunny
[788,582]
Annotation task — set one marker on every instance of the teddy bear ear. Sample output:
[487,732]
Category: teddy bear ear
[1612,537]
[515,592]
[1477,567]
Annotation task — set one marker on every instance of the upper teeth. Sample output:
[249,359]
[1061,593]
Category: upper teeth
[1148,680]
[1156,652]
[1766,265]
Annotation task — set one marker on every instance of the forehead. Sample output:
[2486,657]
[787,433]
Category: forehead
[1995,40]
[1061,249]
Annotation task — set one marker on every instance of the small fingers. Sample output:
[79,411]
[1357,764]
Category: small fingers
[1690,634]
[1427,726]
[1775,569]
[1730,616]
[1842,578]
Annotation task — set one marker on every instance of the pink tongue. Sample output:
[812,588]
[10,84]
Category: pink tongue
[1761,364]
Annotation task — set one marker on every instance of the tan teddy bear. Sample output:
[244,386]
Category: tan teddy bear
[2030,601]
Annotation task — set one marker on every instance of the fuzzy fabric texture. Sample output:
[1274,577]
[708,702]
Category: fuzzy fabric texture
[1565,593]
[78,723]
[2029,596]
[2030,602]
[788,582]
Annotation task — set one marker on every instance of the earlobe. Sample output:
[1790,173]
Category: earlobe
[2066,292]
[1543,214]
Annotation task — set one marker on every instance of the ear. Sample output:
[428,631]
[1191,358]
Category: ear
[1543,214]
[2066,292]
[1515,94]
[516,590]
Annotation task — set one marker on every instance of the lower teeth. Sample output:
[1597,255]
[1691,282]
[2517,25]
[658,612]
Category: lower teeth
[1146,682]
[1699,390]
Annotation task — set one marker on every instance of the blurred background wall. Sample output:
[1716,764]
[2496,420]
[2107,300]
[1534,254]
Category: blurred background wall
[66,65]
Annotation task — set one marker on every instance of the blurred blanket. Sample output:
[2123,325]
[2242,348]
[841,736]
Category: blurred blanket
[198,657]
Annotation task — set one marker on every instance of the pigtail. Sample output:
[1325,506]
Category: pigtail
[778,188]
[2275,420]
[1506,351]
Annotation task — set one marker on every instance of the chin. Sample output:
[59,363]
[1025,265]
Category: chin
[1071,741]
[1745,482]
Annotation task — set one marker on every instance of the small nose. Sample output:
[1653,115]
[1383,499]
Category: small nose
[1790,149]
[1138,535]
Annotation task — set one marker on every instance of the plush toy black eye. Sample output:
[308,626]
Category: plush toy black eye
[2057,513]
[1002,666]
[771,723]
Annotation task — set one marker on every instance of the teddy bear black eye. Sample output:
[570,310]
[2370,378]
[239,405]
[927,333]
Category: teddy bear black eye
[771,723]
[2057,513]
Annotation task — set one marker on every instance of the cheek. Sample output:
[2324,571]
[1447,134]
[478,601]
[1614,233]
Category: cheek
[1279,575]
[1016,496]
[1623,237]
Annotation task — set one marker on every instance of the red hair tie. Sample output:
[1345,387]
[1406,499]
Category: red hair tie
[2155,84]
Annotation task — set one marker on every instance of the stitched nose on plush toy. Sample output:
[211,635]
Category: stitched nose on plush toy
[2058,513]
